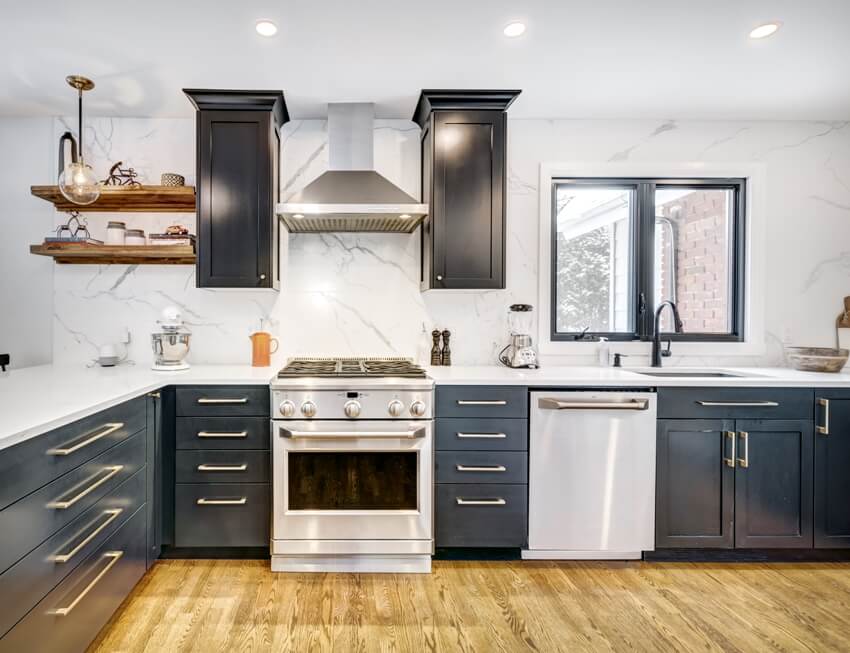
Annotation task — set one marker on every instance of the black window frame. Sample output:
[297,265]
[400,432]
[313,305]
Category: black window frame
[642,253]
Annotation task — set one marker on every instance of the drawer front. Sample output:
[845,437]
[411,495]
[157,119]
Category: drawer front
[224,401]
[223,432]
[223,466]
[735,403]
[482,515]
[70,617]
[477,434]
[30,465]
[482,401]
[30,521]
[32,578]
[222,514]
[482,467]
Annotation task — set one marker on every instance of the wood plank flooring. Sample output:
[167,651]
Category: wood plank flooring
[229,605]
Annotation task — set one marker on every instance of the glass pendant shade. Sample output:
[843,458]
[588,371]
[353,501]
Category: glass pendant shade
[78,183]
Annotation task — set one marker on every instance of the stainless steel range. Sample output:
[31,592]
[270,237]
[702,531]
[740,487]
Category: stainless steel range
[352,445]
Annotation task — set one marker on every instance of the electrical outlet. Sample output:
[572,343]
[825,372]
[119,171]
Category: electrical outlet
[126,337]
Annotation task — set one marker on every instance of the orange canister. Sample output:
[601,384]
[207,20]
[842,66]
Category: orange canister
[262,350]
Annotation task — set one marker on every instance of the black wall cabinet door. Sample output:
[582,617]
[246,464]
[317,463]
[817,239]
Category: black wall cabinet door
[695,492]
[773,488]
[832,469]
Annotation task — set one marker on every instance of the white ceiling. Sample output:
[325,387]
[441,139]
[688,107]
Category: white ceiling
[679,59]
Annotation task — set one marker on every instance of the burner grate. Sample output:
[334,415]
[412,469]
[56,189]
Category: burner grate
[351,368]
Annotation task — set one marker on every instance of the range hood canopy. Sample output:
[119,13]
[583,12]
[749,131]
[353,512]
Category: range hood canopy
[351,196]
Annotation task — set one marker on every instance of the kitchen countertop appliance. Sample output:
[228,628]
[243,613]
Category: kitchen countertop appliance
[520,352]
[352,466]
[171,343]
[592,461]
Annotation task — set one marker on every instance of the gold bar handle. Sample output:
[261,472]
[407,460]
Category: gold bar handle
[110,472]
[824,430]
[203,501]
[481,468]
[111,516]
[222,434]
[484,436]
[113,557]
[480,502]
[745,461]
[223,400]
[223,468]
[66,450]
[730,435]
[482,402]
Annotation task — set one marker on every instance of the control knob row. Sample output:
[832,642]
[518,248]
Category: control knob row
[287,408]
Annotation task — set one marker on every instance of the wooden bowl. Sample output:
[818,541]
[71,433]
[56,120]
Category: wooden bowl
[817,359]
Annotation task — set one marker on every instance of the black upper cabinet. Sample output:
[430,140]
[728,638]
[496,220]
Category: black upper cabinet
[464,163]
[238,149]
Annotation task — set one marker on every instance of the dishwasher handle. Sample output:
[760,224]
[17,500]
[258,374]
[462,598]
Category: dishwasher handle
[550,403]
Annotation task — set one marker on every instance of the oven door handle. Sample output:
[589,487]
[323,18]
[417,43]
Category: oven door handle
[351,435]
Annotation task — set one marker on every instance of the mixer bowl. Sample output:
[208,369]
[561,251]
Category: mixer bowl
[170,348]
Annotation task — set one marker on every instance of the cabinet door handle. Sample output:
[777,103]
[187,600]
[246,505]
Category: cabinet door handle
[483,436]
[111,516]
[482,402]
[824,430]
[745,461]
[547,403]
[203,501]
[67,503]
[481,468]
[223,400]
[740,404]
[480,502]
[439,277]
[66,450]
[222,434]
[730,435]
[223,468]
[113,557]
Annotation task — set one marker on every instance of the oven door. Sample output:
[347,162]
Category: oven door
[346,480]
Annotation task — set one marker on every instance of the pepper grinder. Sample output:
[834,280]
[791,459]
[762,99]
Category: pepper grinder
[446,356]
[436,357]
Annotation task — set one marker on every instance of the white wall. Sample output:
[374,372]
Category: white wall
[26,281]
[358,294]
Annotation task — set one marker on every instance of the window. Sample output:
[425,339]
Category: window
[622,246]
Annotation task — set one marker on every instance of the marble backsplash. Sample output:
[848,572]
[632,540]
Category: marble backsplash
[359,293]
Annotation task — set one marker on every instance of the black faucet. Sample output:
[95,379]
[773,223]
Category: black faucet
[657,353]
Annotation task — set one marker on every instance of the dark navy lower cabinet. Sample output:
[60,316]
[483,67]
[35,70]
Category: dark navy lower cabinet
[832,469]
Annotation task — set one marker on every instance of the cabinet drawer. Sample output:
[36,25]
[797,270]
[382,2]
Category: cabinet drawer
[30,465]
[482,467]
[735,403]
[481,515]
[223,432]
[223,401]
[477,434]
[28,522]
[30,579]
[482,401]
[222,514]
[223,466]
[71,616]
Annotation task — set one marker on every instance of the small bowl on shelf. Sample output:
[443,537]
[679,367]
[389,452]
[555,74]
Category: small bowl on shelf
[817,359]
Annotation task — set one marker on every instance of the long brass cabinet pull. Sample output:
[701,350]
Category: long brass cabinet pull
[481,468]
[482,402]
[824,430]
[480,502]
[223,468]
[67,450]
[111,516]
[113,557]
[741,404]
[730,435]
[222,434]
[483,436]
[203,501]
[214,400]
[67,503]
[745,461]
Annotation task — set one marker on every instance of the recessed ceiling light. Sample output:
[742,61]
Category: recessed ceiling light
[765,30]
[297,216]
[514,29]
[266,28]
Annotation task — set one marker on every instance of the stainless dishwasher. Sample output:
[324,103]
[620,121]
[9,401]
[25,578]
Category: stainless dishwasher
[591,487]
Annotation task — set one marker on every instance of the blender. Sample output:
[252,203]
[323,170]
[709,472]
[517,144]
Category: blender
[520,352]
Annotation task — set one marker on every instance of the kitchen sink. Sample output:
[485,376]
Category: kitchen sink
[693,374]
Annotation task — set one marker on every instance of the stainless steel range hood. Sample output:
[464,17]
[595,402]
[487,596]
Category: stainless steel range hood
[351,196]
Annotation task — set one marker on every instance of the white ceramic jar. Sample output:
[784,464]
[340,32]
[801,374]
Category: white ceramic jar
[115,233]
[135,237]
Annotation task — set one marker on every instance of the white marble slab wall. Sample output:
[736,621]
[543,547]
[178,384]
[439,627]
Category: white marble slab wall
[359,294]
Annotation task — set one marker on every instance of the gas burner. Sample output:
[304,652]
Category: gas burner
[351,368]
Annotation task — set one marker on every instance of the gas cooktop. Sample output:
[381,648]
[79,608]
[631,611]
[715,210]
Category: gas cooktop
[351,368]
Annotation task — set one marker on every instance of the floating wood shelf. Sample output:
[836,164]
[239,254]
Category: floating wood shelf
[117,199]
[120,254]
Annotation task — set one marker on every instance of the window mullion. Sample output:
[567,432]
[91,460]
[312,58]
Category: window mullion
[645,246]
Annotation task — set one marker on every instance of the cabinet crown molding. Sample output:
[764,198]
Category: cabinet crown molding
[229,99]
[461,99]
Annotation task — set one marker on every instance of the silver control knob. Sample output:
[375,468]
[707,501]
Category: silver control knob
[308,409]
[417,408]
[287,408]
[395,408]
[352,408]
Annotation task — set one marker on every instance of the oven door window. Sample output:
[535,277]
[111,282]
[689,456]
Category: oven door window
[362,480]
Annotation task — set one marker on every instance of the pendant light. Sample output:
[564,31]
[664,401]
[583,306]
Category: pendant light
[76,179]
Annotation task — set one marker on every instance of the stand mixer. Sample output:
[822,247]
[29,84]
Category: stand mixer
[171,344]
[520,352]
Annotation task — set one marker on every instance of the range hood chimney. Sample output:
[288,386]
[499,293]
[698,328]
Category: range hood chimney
[351,196]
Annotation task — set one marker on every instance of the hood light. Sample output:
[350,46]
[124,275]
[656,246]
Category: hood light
[266,28]
[405,216]
[763,31]
[298,216]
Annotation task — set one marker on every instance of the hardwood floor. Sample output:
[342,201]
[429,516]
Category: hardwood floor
[229,605]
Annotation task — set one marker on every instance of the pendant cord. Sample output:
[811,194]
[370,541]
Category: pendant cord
[80,120]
